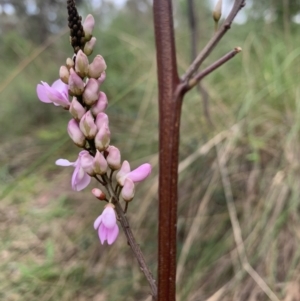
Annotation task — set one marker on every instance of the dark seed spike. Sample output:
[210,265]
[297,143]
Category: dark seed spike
[76,29]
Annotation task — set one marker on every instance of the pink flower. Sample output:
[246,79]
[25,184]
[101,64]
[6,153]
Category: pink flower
[137,175]
[107,225]
[57,93]
[80,179]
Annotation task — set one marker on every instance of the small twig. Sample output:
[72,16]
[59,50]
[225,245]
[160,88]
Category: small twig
[199,76]
[126,207]
[238,4]
[131,239]
[237,233]
[100,181]
[193,24]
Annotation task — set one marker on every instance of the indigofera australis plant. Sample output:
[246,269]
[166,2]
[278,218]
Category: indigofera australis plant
[78,91]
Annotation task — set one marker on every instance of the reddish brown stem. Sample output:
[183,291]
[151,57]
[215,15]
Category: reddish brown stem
[169,119]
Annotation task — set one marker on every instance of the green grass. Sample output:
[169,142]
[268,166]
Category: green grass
[49,249]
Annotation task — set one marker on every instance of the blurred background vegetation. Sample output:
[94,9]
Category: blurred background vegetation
[48,248]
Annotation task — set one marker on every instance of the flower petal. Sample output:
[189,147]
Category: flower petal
[41,92]
[140,173]
[109,217]
[102,233]
[64,162]
[97,222]
[112,234]
[82,182]
[61,87]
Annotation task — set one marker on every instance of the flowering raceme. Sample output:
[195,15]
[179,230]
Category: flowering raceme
[88,128]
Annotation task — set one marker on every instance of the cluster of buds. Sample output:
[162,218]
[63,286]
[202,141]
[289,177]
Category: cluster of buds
[78,91]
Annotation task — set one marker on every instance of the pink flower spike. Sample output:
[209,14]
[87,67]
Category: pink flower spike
[107,225]
[80,179]
[141,173]
[57,93]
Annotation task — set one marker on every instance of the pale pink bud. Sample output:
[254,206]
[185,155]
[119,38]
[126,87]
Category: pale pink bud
[88,26]
[113,158]
[100,105]
[76,84]
[96,67]
[99,194]
[81,64]
[69,63]
[125,169]
[75,133]
[89,46]
[102,138]
[101,119]
[88,126]
[99,164]
[101,79]
[91,92]
[87,163]
[76,109]
[64,74]
[128,190]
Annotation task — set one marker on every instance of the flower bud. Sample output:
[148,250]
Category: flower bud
[217,12]
[69,63]
[99,164]
[128,190]
[101,119]
[100,105]
[75,133]
[81,64]
[99,194]
[102,138]
[89,46]
[88,26]
[76,84]
[91,92]
[87,125]
[101,79]
[96,67]
[113,158]
[121,175]
[76,109]
[64,74]
[87,164]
